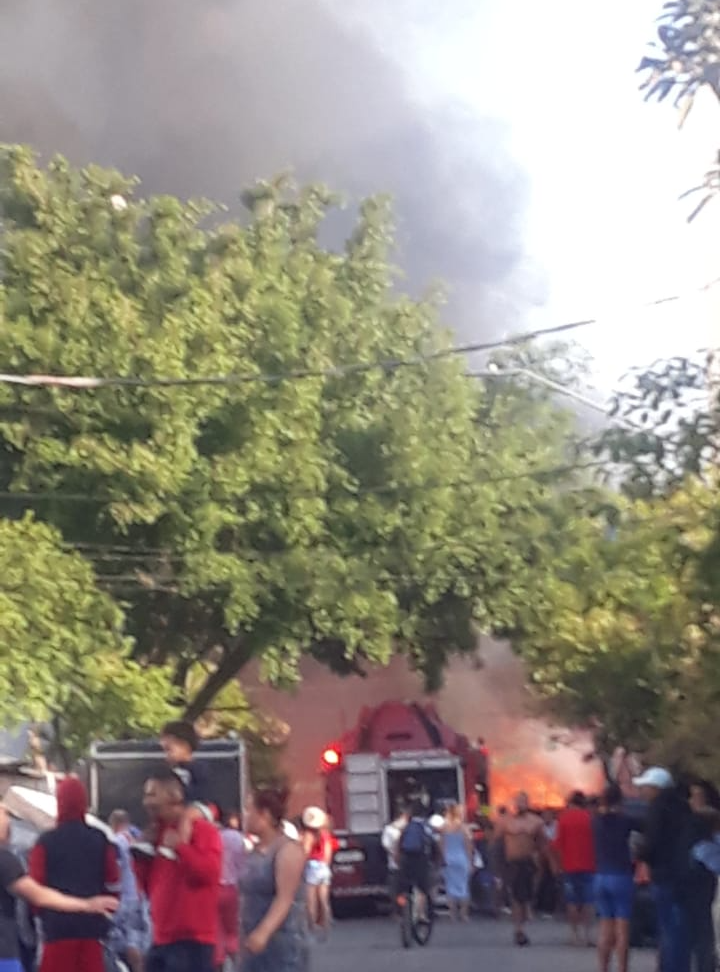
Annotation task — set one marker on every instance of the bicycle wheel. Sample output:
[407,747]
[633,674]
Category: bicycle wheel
[422,920]
[406,923]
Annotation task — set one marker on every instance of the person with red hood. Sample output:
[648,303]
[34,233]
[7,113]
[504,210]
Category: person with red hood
[76,859]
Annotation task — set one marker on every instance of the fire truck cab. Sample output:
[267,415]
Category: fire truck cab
[397,752]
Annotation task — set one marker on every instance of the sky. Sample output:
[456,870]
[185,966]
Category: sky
[203,97]
[527,171]
[604,224]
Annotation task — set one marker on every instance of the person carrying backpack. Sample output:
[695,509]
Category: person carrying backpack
[415,851]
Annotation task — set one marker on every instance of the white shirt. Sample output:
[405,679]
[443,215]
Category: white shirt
[390,840]
[290,830]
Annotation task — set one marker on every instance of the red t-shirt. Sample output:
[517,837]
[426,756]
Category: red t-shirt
[574,842]
[322,847]
[184,893]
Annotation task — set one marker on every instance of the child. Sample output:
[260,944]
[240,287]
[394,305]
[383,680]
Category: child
[179,741]
[318,844]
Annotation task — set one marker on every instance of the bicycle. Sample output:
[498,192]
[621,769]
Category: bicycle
[416,920]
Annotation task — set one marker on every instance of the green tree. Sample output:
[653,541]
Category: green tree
[635,615]
[669,421]
[625,643]
[684,59]
[347,513]
[63,655]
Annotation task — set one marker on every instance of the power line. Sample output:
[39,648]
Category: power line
[91,382]
[554,386]
[83,383]
[348,491]
[140,580]
[98,556]
[117,548]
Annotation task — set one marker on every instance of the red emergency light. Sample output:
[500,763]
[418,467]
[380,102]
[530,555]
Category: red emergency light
[331,758]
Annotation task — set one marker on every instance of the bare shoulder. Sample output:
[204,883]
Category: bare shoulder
[291,851]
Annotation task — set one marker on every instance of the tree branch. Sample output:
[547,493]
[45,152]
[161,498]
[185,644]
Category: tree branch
[233,660]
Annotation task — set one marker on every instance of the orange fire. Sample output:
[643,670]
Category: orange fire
[544,791]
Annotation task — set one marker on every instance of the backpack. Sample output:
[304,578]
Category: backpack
[414,838]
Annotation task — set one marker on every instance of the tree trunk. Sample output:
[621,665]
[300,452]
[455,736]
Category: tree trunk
[234,658]
[59,749]
[181,670]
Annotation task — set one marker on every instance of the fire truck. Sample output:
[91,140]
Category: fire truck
[397,752]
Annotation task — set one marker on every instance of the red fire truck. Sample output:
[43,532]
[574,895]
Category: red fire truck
[396,752]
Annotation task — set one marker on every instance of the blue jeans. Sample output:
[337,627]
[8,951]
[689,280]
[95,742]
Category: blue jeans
[673,932]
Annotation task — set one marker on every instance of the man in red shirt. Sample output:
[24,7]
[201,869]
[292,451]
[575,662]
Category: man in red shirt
[183,887]
[575,849]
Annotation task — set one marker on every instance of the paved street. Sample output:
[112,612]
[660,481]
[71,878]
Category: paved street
[374,946]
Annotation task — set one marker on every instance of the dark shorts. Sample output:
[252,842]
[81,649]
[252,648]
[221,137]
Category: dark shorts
[521,880]
[180,957]
[394,883]
[614,895]
[415,873]
[579,888]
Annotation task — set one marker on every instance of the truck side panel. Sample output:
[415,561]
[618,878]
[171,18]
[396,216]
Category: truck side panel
[117,775]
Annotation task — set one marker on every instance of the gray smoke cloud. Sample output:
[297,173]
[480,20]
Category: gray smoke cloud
[201,97]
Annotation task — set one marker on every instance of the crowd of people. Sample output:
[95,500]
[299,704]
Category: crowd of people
[650,864]
[191,892]
[609,861]
[200,891]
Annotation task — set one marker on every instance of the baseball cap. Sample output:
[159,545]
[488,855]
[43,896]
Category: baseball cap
[655,776]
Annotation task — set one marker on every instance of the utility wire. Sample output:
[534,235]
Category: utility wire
[81,382]
[348,491]
[88,382]
[554,386]
[143,580]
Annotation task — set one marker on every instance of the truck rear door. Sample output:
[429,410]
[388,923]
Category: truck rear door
[436,777]
[365,794]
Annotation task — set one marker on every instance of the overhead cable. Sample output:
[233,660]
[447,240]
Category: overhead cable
[90,382]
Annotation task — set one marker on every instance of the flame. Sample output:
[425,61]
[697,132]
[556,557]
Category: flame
[527,757]
[544,791]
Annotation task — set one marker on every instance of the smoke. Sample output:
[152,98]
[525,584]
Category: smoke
[201,97]
[527,753]
[488,700]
